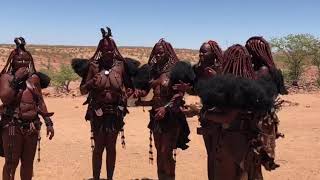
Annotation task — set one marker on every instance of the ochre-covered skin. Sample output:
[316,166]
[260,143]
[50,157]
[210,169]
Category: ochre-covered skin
[228,132]
[108,86]
[209,65]
[6,93]
[229,154]
[25,140]
[210,60]
[19,58]
[264,66]
[167,121]
[20,93]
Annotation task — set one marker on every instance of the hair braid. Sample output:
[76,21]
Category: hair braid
[260,51]
[237,62]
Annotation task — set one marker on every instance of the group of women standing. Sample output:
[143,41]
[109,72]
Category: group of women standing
[238,89]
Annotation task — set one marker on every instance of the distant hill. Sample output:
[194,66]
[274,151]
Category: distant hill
[54,55]
[46,55]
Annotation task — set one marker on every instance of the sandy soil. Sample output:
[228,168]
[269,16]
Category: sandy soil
[68,155]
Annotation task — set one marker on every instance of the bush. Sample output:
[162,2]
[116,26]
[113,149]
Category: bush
[297,48]
[62,77]
[316,58]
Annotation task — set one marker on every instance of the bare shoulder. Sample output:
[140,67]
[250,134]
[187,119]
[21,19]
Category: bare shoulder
[5,78]
[34,78]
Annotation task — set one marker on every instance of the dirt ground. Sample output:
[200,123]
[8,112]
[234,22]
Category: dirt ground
[68,155]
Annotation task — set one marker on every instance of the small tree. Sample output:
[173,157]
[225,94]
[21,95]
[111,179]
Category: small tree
[62,78]
[296,47]
[316,58]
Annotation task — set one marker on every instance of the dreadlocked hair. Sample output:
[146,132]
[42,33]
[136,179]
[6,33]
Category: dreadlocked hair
[237,62]
[218,54]
[117,52]
[107,35]
[8,66]
[167,48]
[260,51]
[44,78]
[261,55]
[169,51]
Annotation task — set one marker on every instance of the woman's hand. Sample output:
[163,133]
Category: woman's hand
[160,113]
[181,86]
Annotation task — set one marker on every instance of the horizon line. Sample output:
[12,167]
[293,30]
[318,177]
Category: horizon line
[90,46]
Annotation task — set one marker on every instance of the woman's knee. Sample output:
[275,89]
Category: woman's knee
[111,142]
[111,149]
[165,154]
[12,163]
[26,163]
[98,149]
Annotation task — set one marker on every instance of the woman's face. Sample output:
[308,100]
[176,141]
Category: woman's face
[205,53]
[108,53]
[159,54]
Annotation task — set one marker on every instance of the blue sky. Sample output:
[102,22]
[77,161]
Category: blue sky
[184,23]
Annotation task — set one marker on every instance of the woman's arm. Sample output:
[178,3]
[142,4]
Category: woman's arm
[87,83]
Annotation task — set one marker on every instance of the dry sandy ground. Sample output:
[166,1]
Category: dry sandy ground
[68,155]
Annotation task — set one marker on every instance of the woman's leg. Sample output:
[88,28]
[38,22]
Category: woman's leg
[99,145]
[111,141]
[14,151]
[28,153]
